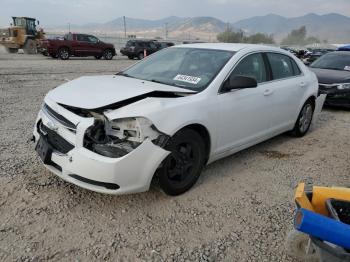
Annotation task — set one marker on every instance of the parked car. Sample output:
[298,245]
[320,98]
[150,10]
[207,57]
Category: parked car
[162,45]
[333,73]
[171,114]
[344,48]
[316,54]
[137,48]
[79,45]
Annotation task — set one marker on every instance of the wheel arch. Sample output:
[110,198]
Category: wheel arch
[64,46]
[205,135]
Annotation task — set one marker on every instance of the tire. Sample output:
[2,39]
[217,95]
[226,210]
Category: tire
[11,50]
[30,47]
[130,57]
[141,56]
[299,246]
[98,57]
[108,54]
[183,166]
[63,53]
[304,120]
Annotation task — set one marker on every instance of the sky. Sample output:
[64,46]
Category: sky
[61,12]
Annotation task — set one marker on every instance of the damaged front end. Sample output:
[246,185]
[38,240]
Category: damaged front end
[116,138]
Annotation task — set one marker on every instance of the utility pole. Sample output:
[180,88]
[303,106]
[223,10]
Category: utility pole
[124,26]
[166,31]
[68,27]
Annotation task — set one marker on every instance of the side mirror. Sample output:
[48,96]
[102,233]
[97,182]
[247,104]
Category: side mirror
[239,82]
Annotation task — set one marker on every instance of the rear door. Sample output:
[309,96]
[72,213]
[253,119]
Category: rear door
[286,90]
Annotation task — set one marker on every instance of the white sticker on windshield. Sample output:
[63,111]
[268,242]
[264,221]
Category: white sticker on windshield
[188,79]
[347,68]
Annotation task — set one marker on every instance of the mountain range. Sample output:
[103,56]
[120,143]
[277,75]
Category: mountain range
[331,27]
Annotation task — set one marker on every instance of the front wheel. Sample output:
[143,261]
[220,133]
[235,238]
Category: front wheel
[304,120]
[63,53]
[107,54]
[182,168]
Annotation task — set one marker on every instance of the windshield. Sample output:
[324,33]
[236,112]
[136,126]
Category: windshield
[190,68]
[334,61]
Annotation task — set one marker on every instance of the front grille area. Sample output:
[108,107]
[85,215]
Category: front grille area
[58,143]
[61,119]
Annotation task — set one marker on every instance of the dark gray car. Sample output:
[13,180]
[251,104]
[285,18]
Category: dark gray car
[333,73]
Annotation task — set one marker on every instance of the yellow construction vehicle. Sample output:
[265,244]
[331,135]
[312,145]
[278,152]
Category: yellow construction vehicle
[22,34]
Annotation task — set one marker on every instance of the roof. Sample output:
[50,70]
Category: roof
[227,46]
[29,18]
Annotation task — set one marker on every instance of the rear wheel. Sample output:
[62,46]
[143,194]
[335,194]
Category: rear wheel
[63,53]
[141,56]
[12,50]
[182,168]
[30,47]
[304,120]
[108,54]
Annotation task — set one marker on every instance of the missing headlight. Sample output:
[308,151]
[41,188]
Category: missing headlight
[119,137]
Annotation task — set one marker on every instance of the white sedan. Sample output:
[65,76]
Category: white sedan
[171,114]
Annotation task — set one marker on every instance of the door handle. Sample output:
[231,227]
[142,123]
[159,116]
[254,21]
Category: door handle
[302,84]
[268,92]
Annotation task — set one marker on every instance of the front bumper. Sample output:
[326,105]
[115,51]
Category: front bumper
[131,173]
[127,52]
[335,97]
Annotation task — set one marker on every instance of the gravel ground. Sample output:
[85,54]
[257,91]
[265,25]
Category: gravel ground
[240,210]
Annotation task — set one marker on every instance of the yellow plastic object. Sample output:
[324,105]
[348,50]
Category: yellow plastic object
[301,199]
[319,197]
[321,194]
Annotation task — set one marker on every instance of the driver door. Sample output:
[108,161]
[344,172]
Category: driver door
[244,114]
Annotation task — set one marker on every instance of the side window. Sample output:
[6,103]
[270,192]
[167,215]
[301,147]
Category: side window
[152,45]
[296,69]
[252,66]
[281,65]
[81,38]
[92,39]
[68,37]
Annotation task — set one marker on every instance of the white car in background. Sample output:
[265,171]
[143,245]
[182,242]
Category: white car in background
[171,114]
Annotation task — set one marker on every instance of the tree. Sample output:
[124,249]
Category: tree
[229,36]
[298,37]
[259,38]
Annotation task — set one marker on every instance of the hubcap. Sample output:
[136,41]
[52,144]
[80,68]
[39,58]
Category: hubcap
[64,54]
[305,118]
[108,55]
[180,163]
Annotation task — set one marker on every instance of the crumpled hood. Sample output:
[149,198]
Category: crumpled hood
[91,92]
[328,76]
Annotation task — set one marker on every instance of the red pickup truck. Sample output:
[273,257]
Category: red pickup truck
[76,45]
